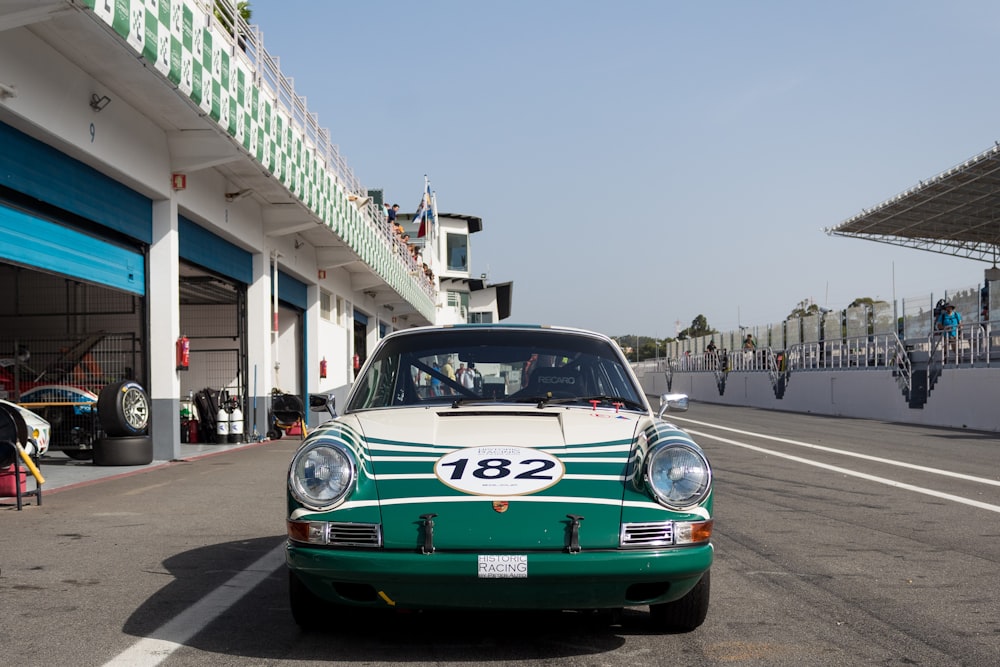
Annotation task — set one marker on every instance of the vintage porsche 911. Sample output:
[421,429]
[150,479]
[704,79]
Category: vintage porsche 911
[500,467]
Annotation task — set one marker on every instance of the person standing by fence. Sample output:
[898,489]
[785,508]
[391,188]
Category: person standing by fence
[949,323]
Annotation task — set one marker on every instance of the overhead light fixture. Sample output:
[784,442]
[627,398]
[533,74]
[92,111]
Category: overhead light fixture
[7,90]
[98,102]
[232,197]
[370,294]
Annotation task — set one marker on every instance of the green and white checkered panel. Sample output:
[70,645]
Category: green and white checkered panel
[182,41]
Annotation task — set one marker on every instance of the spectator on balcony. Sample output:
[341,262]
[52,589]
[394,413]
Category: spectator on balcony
[711,355]
[749,351]
[949,323]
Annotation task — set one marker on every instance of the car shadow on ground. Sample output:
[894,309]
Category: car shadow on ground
[260,625]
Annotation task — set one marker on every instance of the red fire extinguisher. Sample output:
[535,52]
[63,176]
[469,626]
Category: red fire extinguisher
[322,368]
[183,353]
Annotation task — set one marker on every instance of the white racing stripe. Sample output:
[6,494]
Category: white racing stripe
[173,634]
[854,473]
[843,452]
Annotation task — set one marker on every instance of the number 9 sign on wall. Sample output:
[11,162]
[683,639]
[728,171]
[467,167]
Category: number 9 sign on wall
[499,471]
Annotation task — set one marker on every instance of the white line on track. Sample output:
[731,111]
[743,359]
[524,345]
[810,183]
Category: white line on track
[854,473]
[173,634]
[844,452]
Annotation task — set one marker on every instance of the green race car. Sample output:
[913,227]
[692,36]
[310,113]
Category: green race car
[500,467]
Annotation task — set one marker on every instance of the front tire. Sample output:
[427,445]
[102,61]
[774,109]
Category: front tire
[686,614]
[310,612]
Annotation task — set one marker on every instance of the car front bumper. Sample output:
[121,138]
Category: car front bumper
[551,580]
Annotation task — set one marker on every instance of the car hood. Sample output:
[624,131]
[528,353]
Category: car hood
[497,478]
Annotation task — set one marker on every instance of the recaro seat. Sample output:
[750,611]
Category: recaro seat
[563,382]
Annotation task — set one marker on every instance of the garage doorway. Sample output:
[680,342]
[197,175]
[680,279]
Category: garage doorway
[62,341]
[360,340]
[213,317]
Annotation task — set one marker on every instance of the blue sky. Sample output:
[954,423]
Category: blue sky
[640,163]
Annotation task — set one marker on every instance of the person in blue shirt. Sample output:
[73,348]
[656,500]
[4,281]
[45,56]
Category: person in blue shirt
[950,325]
[436,380]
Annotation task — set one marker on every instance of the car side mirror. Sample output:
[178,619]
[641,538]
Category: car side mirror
[323,403]
[673,403]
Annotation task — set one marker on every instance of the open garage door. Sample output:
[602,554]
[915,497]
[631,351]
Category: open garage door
[214,275]
[73,307]
[213,317]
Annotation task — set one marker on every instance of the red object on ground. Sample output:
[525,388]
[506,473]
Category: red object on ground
[7,481]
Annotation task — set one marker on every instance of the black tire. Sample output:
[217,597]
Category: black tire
[78,454]
[686,614]
[123,409]
[310,612]
[135,450]
[274,433]
[8,454]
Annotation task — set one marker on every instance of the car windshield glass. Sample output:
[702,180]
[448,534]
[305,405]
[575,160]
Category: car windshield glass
[466,366]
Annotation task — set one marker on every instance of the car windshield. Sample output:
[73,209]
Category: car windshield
[463,366]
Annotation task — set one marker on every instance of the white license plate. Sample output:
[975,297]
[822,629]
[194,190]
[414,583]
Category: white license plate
[503,567]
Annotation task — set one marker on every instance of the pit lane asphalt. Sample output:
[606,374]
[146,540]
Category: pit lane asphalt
[61,472]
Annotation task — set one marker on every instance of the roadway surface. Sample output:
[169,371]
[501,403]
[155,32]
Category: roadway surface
[837,542]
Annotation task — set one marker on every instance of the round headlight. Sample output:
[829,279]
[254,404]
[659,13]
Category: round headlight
[321,475]
[678,475]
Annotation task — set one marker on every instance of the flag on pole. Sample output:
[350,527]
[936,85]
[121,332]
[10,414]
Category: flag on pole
[425,214]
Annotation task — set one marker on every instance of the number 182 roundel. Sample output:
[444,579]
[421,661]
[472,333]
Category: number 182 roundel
[499,471]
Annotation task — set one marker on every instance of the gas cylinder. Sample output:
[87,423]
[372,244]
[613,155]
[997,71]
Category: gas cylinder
[222,420]
[193,430]
[235,422]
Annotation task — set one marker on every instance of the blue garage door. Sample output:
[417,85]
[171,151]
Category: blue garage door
[202,247]
[48,246]
[42,173]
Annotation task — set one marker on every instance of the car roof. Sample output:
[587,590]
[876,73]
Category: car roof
[497,327]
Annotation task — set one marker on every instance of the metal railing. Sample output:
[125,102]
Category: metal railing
[248,43]
[875,352]
[976,344]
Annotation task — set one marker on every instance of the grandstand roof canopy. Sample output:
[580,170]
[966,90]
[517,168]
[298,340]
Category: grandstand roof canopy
[956,212]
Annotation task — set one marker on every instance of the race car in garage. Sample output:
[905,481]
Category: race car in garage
[67,392]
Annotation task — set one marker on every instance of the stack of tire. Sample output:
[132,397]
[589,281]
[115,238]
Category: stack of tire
[123,411]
